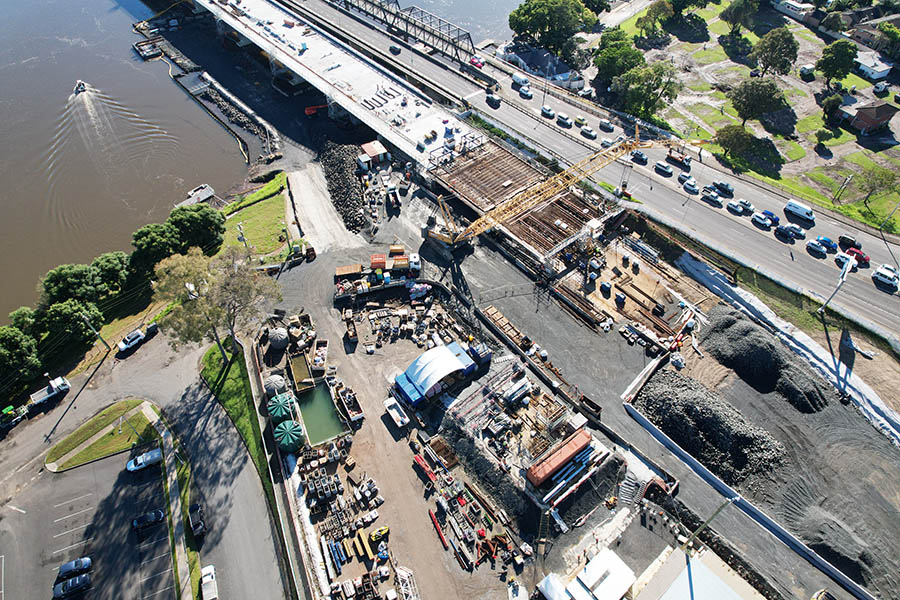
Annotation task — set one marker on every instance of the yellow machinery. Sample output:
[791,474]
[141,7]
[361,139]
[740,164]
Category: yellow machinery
[528,199]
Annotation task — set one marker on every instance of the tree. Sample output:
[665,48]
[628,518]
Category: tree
[23,319]
[65,318]
[889,38]
[199,225]
[597,6]
[152,243]
[876,180]
[617,58]
[822,136]
[211,293]
[831,104]
[837,60]
[646,88]
[755,97]
[776,51]
[112,269]
[550,23]
[734,139]
[739,14]
[81,282]
[679,6]
[833,21]
[18,355]
[659,11]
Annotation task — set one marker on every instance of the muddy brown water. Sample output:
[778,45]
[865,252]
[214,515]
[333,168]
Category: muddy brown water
[80,173]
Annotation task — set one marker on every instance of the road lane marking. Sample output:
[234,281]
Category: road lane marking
[169,570]
[83,496]
[167,553]
[141,545]
[2,574]
[71,530]
[17,509]
[90,508]
[75,545]
[160,591]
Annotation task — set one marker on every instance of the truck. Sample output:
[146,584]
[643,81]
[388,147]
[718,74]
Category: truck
[393,197]
[351,325]
[208,588]
[679,158]
[55,388]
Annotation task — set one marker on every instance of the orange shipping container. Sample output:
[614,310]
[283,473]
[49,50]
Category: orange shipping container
[378,261]
[396,249]
[556,458]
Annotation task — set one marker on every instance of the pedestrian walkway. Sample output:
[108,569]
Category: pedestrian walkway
[54,467]
[168,447]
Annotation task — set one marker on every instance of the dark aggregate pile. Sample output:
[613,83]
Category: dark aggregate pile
[232,113]
[760,359]
[709,428]
[346,191]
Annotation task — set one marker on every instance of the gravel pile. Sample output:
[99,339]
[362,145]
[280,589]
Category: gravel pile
[339,164]
[232,113]
[709,428]
[760,359]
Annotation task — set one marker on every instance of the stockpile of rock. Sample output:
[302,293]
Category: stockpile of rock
[346,191]
[760,359]
[231,112]
[709,428]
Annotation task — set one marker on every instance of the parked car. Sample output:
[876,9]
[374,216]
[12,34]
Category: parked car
[840,258]
[712,198]
[708,189]
[73,586]
[814,247]
[735,207]
[773,218]
[861,257]
[143,461]
[525,92]
[848,241]
[196,520]
[827,243]
[760,219]
[881,87]
[131,340]
[75,567]
[588,133]
[725,188]
[691,187]
[639,157]
[746,205]
[548,112]
[781,231]
[606,125]
[684,177]
[796,231]
[580,121]
[563,120]
[887,275]
[664,168]
[148,519]
[379,533]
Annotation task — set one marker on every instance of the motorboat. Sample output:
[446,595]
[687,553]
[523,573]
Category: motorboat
[80,86]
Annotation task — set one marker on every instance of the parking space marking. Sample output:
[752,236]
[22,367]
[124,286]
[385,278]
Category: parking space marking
[17,509]
[80,512]
[83,496]
[75,545]
[79,528]
[169,570]
[160,591]
[2,574]
[167,553]
[153,542]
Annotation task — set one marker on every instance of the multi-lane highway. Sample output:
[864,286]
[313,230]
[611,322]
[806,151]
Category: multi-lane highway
[659,196]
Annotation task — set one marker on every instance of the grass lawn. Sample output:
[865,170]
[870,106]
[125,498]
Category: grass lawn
[91,428]
[742,70]
[711,115]
[824,179]
[134,430]
[795,186]
[719,28]
[629,25]
[854,79]
[231,386]
[880,206]
[262,223]
[793,151]
[711,11]
[810,123]
[710,56]
[794,93]
[191,545]
[699,86]
[861,159]
[278,183]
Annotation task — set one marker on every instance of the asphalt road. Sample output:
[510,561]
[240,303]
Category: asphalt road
[88,512]
[241,539]
[712,226]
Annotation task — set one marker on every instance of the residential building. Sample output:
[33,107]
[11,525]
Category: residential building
[795,10]
[873,65]
[867,33]
[868,118]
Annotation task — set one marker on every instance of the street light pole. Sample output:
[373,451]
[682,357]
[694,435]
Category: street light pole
[881,232]
[845,271]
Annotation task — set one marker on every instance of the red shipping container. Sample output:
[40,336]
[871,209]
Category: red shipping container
[378,261]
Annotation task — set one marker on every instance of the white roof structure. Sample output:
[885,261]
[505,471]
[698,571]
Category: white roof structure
[605,577]
[432,366]
[385,103]
[702,576]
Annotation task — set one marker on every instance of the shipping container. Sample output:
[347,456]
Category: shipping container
[378,261]
[348,270]
[539,472]
[396,249]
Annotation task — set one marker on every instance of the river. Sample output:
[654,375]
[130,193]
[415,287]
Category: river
[79,173]
[483,19]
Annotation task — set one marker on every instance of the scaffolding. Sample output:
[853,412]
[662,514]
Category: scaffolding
[418,24]
[407,584]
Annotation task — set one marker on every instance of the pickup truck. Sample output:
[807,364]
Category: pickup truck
[208,588]
[56,387]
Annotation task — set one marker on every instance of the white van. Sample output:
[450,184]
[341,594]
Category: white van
[520,80]
[800,210]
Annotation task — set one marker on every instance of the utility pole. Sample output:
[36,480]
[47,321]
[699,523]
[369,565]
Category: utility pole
[881,231]
[97,333]
[243,237]
[841,189]
[848,266]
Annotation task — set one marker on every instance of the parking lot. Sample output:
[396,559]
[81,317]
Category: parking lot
[88,512]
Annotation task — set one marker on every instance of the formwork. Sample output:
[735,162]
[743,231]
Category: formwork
[552,222]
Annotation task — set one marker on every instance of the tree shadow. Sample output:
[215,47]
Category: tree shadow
[688,28]
[781,122]
[761,157]
[766,20]
[737,48]
[823,151]
[655,42]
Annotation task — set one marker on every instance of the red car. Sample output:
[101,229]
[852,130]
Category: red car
[476,61]
[860,257]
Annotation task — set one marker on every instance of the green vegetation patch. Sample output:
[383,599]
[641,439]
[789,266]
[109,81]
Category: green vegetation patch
[191,545]
[710,56]
[135,430]
[824,179]
[91,428]
[276,186]
[861,159]
[711,11]
[854,79]
[262,224]
[718,28]
[793,150]
[711,115]
[810,123]
[699,85]
[793,92]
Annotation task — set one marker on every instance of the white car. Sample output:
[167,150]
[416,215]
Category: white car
[762,220]
[563,120]
[796,231]
[606,125]
[816,248]
[548,112]
[525,92]
[588,133]
[840,258]
[131,340]
[144,460]
[746,205]
[735,207]
[606,142]
[685,177]
[887,275]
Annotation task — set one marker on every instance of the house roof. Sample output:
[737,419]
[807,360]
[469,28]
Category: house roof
[873,61]
[872,113]
[373,149]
